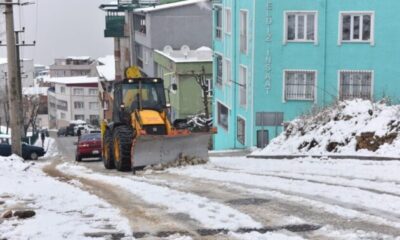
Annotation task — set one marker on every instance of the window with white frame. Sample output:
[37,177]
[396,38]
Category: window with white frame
[243,31]
[210,87]
[139,55]
[219,74]
[243,85]
[299,85]
[356,27]
[62,89]
[228,71]
[218,22]
[63,115]
[241,130]
[79,105]
[228,21]
[355,84]
[93,105]
[78,91]
[301,26]
[79,117]
[93,91]
[223,112]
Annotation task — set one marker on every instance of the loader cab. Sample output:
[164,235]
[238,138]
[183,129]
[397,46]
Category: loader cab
[138,94]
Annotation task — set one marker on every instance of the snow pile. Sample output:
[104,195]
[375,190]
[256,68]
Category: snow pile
[49,146]
[357,127]
[62,211]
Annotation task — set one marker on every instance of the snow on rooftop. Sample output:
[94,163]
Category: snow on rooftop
[106,69]
[202,54]
[35,91]
[78,57]
[73,80]
[169,5]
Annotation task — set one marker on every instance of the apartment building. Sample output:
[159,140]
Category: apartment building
[276,59]
[73,66]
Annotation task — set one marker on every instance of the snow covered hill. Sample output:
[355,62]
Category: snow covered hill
[356,127]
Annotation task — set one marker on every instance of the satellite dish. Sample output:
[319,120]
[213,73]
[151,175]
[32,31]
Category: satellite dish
[168,49]
[185,49]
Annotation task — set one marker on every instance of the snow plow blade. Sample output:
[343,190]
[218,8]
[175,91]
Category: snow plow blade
[153,149]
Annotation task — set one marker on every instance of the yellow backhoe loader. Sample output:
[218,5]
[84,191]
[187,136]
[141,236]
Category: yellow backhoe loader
[141,132]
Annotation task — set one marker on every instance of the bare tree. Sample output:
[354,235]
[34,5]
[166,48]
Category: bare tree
[203,81]
[31,109]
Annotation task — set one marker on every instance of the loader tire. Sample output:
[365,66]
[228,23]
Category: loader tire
[107,154]
[122,137]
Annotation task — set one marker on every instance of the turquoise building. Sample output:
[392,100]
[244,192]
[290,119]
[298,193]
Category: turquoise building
[276,59]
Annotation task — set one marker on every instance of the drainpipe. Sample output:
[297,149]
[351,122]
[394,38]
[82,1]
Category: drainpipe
[253,76]
[234,86]
[325,51]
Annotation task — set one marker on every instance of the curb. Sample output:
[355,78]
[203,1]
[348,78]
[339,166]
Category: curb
[370,158]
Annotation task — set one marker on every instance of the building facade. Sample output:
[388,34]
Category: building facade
[174,24]
[73,98]
[182,67]
[275,60]
[73,66]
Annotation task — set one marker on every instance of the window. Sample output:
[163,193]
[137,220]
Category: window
[219,69]
[140,24]
[79,117]
[241,130]
[78,91]
[93,91]
[299,85]
[243,31]
[300,26]
[62,115]
[105,105]
[218,23]
[228,71]
[93,105]
[222,115]
[356,27]
[62,89]
[228,21]
[243,85]
[79,105]
[94,119]
[355,84]
[139,55]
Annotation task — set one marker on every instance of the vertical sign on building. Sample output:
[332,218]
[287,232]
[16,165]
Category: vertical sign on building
[268,39]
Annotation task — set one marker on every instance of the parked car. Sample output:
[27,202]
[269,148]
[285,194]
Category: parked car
[62,132]
[88,146]
[28,151]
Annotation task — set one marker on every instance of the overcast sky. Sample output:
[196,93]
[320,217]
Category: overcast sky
[62,28]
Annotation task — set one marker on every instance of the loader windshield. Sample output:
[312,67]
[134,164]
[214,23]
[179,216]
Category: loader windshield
[144,95]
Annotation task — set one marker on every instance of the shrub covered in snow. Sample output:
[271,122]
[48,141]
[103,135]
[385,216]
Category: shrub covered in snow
[357,127]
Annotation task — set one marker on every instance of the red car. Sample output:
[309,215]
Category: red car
[88,146]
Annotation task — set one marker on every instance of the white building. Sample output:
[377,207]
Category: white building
[73,98]
[27,72]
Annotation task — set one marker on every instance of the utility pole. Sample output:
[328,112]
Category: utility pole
[14,77]
[15,104]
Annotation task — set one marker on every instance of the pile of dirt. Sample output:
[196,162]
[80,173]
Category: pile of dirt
[349,127]
[180,162]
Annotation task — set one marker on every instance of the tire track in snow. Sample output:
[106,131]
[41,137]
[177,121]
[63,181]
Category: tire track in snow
[328,180]
[280,209]
[348,197]
[208,213]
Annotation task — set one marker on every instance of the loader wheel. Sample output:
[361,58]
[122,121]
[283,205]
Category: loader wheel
[122,148]
[107,154]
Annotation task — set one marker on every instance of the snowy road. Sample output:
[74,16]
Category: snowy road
[230,197]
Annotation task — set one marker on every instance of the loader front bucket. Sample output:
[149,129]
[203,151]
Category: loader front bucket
[153,149]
